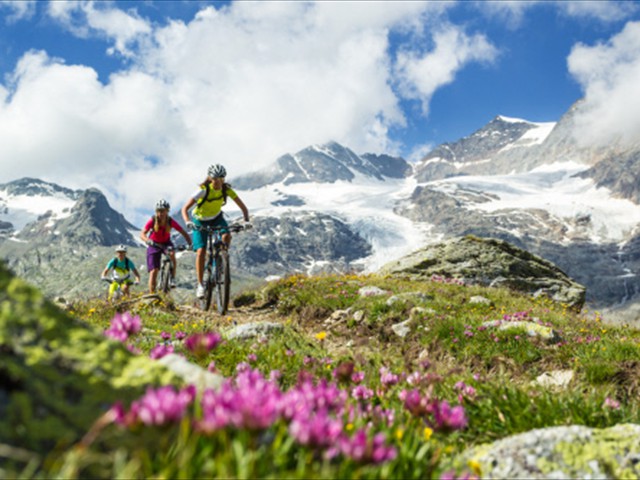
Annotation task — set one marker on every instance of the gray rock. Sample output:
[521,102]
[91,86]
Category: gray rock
[402,329]
[533,329]
[560,452]
[252,330]
[555,378]
[490,262]
[190,372]
[409,297]
[370,291]
[358,316]
[479,299]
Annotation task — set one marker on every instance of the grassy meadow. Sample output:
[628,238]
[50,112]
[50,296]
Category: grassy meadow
[337,393]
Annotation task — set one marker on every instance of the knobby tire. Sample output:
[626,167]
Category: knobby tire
[165,272]
[205,302]
[223,282]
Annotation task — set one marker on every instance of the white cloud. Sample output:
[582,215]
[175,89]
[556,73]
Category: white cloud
[22,10]
[240,85]
[609,74]
[510,12]
[84,18]
[609,11]
[420,151]
[421,75]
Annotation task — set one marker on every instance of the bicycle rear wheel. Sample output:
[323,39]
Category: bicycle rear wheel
[205,302]
[165,273]
[223,282]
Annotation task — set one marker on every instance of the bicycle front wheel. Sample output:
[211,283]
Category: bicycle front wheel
[165,273]
[223,282]
[205,302]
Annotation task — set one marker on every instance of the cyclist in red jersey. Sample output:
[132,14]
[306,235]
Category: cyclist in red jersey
[157,235]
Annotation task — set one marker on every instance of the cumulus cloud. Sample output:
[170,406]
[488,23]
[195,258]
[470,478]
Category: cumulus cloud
[102,18]
[609,74]
[18,10]
[239,84]
[510,12]
[420,75]
[610,11]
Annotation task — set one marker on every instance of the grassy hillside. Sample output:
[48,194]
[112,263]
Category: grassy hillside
[339,393]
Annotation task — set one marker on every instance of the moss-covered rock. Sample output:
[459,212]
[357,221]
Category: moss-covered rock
[560,452]
[58,375]
[490,262]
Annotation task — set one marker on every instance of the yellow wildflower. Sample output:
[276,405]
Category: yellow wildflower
[321,336]
[427,433]
[475,466]
[399,434]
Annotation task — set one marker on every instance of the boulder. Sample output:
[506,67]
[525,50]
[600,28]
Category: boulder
[490,262]
[57,374]
[572,451]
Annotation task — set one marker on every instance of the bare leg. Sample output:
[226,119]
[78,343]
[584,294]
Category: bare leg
[226,238]
[153,275]
[172,255]
[200,254]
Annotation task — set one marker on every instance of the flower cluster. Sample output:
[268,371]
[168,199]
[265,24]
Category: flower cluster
[314,413]
[201,344]
[160,351]
[156,407]
[123,326]
[437,413]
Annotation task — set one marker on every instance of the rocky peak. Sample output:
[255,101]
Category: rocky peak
[91,221]
[34,187]
[326,163]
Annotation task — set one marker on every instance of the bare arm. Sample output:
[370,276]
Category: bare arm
[143,235]
[243,207]
[185,209]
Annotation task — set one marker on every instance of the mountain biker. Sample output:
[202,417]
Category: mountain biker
[208,201]
[120,267]
[159,239]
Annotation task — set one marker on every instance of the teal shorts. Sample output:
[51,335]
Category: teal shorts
[200,238]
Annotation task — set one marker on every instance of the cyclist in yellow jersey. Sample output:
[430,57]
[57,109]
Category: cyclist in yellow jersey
[208,201]
[120,266]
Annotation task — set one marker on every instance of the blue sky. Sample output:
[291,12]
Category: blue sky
[123,94]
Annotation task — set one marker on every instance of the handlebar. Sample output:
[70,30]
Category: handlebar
[234,227]
[179,248]
[111,280]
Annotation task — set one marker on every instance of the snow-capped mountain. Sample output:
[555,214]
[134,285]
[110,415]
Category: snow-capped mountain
[38,212]
[481,151]
[327,163]
[357,191]
[23,201]
[326,208]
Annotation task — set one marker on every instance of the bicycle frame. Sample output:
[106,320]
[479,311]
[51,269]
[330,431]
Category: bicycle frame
[216,267]
[114,292]
[165,266]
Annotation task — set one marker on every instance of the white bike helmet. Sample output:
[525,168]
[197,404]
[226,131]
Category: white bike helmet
[217,171]
[121,248]
[162,204]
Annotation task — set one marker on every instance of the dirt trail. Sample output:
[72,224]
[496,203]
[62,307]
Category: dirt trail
[235,315]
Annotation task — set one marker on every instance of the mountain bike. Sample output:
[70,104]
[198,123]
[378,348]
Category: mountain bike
[114,292]
[164,276]
[217,272]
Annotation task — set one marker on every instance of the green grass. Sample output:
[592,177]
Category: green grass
[447,331]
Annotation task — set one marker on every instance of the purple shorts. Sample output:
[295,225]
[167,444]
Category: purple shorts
[154,255]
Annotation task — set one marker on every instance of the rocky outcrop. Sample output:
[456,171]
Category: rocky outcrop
[311,243]
[92,221]
[561,452]
[326,163]
[490,262]
[57,375]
